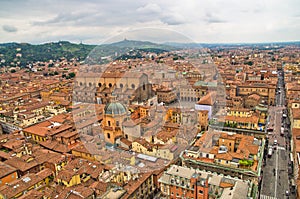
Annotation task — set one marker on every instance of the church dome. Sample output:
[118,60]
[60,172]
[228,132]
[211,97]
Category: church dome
[114,108]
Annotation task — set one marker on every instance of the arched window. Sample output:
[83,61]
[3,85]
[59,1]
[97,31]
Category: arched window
[132,86]
[121,85]
[110,85]
[108,123]
[108,135]
[99,84]
[144,87]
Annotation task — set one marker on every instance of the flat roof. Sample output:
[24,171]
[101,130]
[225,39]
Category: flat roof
[147,157]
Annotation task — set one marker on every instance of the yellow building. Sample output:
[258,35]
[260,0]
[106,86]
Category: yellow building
[68,178]
[174,115]
[167,151]
[202,117]
[239,112]
[114,115]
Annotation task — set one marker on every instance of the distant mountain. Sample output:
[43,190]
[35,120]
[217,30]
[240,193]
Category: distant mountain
[141,45]
[226,45]
[23,53]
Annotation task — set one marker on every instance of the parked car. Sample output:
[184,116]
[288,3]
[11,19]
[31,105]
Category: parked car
[270,152]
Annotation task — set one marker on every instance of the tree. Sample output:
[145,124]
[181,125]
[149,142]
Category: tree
[72,75]
[250,63]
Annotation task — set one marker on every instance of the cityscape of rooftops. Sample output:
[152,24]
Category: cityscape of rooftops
[149,99]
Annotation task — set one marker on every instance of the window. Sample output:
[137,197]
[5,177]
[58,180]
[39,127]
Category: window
[108,135]
[200,192]
[108,123]
[99,84]
[132,86]
[144,87]
[110,85]
[121,85]
[117,123]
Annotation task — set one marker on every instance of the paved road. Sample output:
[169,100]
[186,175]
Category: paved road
[275,178]
[275,172]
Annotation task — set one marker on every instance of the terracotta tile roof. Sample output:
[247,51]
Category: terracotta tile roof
[32,194]
[21,164]
[254,97]
[75,192]
[4,155]
[133,185]
[126,142]
[208,99]
[224,156]
[165,136]
[66,175]
[100,186]
[20,185]
[55,146]
[39,156]
[252,119]
[6,169]
[13,144]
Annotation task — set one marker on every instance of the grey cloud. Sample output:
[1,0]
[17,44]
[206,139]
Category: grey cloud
[9,28]
[63,18]
[173,19]
[210,18]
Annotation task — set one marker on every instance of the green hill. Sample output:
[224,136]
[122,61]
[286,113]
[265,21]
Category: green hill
[21,54]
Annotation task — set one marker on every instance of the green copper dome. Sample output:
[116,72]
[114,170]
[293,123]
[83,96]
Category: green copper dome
[114,108]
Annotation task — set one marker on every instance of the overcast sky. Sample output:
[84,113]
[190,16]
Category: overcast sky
[97,21]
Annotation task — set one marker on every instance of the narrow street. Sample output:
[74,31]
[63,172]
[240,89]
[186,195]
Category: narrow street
[275,179]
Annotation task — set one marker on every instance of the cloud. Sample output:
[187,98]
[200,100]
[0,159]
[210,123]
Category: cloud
[9,28]
[211,18]
[173,19]
[94,20]
[149,8]
[63,18]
